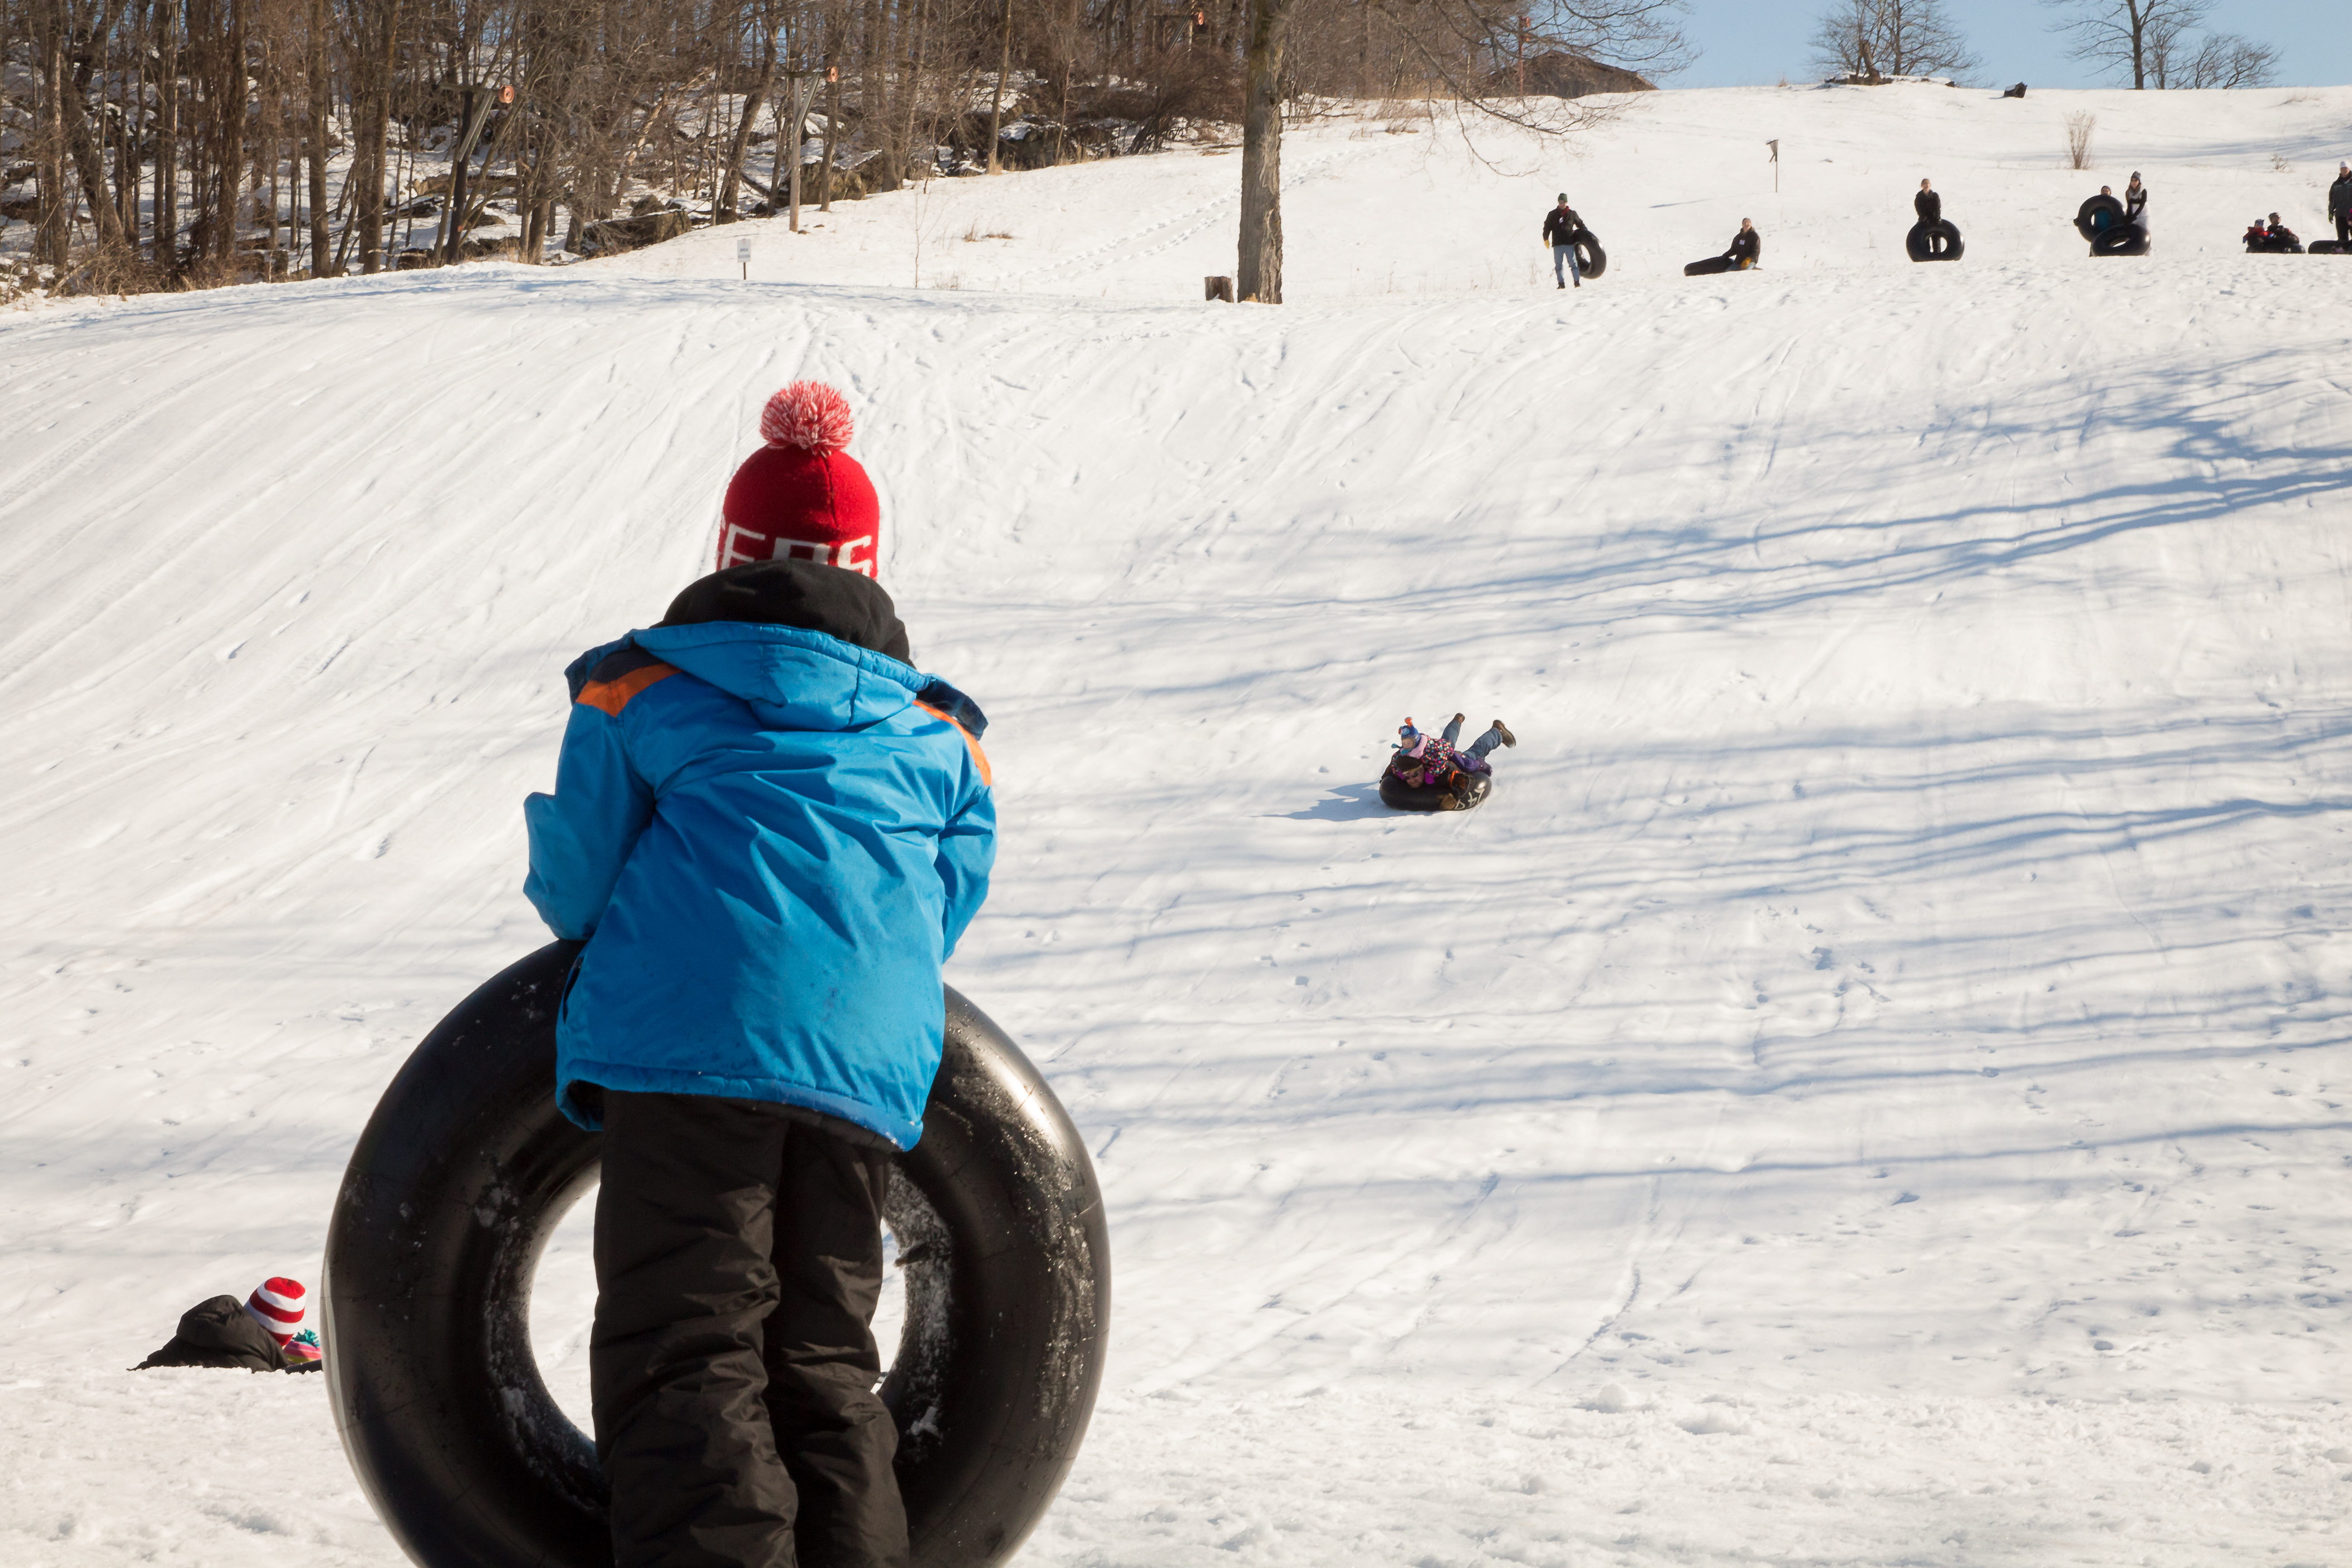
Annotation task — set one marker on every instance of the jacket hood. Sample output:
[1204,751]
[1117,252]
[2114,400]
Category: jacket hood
[809,595]
[798,679]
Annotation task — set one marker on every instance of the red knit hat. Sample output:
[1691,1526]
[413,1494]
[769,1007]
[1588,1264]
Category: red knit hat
[277,1305]
[802,496]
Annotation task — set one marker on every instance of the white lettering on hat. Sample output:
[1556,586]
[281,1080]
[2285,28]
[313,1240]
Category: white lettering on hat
[804,550]
[846,554]
[730,551]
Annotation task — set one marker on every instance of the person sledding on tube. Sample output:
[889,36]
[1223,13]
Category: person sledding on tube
[1559,227]
[1437,762]
[770,830]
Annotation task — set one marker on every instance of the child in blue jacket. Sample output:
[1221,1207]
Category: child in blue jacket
[770,830]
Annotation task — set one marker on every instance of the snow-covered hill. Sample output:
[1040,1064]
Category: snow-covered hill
[1871,1088]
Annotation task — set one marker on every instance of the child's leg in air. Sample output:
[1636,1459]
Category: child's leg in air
[684,1289]
[834,1431]
[1453,731]
[1496,735]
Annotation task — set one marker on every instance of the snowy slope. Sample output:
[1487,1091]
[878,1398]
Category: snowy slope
[1869,1089]
[1396,202]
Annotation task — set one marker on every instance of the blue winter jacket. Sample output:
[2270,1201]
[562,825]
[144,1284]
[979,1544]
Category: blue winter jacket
[771,840]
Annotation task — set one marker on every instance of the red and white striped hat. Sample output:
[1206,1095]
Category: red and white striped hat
[277,1305]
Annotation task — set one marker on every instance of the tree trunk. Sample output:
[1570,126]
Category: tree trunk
[996,99]
[87,160]
[167,141]
[733,180]
[318,239]
[53,238]
[1258,275]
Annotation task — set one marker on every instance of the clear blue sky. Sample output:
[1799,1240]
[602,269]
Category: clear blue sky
[1746,42]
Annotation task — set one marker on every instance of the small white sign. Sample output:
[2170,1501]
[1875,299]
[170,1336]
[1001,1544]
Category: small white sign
[743,251]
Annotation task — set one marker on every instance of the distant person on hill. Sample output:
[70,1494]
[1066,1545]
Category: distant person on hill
[1559,227]
[1747,248]
[1927,205]
[2135,203]
[2273,236]
[2339,203]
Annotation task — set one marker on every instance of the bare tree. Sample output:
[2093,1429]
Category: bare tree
[2231,60]
[2134,36]
[1871,40]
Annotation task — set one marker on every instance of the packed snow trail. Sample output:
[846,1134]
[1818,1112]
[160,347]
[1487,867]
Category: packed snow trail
[1869,1089]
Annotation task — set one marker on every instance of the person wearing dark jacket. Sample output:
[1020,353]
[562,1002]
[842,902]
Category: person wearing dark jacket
[2136,204]
[2339,203]
[769,829]
[1747,248]
[258,1334]
[1560,230]
[1927,205]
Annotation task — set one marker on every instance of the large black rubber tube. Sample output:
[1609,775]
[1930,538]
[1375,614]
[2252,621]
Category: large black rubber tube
[1591,261]
[1938,241]
[465,1169]
[1398,796]
[2329,248]
[2087,221]
[2125,241]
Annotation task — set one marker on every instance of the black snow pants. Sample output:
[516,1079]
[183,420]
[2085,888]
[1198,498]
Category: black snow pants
[739,1259]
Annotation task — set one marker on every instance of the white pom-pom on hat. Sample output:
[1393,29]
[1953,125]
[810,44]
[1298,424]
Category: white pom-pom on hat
[807,415]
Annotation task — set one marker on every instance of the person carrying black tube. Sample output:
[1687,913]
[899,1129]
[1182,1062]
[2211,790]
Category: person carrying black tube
[1928,204]
[768,830]
[1559,229]
[2339,203]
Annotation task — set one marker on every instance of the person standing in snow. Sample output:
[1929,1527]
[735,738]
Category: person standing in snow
[1927,205]
[1560,228]
[2135,203]
[768,830]
[2339,203]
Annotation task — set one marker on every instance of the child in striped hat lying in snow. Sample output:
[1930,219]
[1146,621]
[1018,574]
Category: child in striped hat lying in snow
[262,1333]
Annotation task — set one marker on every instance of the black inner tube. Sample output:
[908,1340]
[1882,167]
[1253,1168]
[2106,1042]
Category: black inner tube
[2087,218]
[1938,241]
[464,1172]
[1591,261]
[1398,796]
[2127,240]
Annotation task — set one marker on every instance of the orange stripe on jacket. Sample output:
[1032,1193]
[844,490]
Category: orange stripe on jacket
[978,756]
[613,696]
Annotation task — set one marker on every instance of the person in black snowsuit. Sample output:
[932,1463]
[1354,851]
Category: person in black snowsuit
[221,1333]
[2339,203]
[1928,204]
[1746,247]
[1559,229]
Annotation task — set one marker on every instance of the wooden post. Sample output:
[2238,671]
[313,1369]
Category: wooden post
[1217,288]
[803,89]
